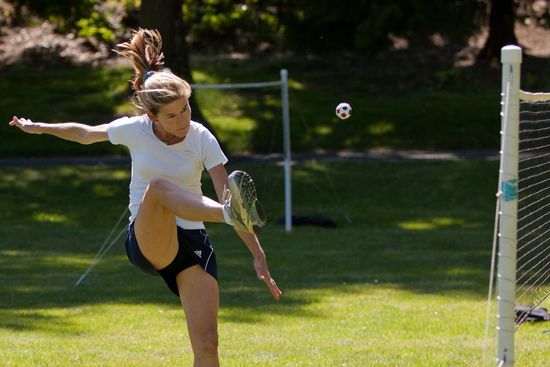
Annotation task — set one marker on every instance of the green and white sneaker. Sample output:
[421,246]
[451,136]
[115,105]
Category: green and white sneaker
[242,205]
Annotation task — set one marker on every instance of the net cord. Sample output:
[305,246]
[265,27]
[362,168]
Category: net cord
[530,291]
[533,195]
[104,248]
[534,97]
[524,315]
[537,283]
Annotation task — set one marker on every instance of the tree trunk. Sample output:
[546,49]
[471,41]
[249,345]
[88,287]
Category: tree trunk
[167,18]
[502,17]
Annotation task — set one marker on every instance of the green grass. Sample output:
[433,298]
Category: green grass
[394,107]
[404,285]
[86,95]
[409,108]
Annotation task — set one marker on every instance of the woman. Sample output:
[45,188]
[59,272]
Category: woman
[166,235]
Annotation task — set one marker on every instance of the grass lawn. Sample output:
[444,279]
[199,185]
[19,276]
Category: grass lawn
[414,107]
[404,285]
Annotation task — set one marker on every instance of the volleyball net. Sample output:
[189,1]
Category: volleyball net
[282,83]
[533,247]
[523,205]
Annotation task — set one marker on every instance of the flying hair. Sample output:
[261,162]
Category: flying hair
[160,86]
[145,52]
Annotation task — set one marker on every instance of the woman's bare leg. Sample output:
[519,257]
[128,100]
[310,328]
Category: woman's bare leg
[155,225]
[156,232]
[185,204]
[199,295]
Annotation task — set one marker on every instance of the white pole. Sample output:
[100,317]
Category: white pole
[508,195]
[283,83]
[286,144]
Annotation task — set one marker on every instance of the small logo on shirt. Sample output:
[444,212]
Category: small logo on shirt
[198,253]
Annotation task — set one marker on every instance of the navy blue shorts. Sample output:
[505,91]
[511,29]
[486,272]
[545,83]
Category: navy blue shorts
[194,249]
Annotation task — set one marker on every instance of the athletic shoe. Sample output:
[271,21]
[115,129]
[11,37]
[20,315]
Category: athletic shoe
[242,205]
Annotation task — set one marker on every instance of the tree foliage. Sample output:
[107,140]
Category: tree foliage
[326,25]
[225,24]
[66,12]
[360,26]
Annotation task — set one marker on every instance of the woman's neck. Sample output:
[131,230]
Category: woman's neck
[164,136]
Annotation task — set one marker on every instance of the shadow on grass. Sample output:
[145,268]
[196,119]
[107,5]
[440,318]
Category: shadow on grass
[17,320]
[422,227]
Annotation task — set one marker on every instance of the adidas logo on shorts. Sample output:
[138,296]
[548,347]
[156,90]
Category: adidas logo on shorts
[198,253]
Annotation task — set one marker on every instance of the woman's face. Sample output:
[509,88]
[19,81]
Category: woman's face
[175,117]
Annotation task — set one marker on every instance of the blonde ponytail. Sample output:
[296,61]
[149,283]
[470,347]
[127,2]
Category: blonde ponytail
[145,52]
[153,85]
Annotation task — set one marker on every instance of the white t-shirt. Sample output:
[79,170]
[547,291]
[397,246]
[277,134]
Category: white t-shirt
[180,163]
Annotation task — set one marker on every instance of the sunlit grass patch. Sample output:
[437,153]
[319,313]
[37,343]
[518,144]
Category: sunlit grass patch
[433,223]
[404,284]
[49,217]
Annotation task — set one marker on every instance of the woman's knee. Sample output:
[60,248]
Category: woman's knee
[156,188]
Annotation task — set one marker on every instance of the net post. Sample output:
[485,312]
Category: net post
[508,197]
[286,144]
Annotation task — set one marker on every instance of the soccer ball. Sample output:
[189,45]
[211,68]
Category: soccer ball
[343,111]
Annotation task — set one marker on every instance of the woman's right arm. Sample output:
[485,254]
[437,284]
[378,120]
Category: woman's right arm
[73,131]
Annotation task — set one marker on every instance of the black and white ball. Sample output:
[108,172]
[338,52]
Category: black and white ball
[343,111]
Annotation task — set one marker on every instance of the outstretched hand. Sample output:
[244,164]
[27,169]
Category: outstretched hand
[25,124]
[262,272]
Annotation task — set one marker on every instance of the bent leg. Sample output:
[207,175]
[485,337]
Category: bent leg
[199,295]
[155,224]
[185,204]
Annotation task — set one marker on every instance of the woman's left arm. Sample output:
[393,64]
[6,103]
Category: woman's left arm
[220,181]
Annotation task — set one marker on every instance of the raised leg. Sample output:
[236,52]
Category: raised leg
[156,220]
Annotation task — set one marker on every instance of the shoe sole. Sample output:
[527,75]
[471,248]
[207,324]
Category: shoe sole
[244,197]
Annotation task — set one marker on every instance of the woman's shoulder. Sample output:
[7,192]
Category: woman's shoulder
[125,130]
[196,125]
[137,119]
[199,128]
[202,133]
[130,122]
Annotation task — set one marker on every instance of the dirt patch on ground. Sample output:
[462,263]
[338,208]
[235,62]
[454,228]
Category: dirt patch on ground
[43,48]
